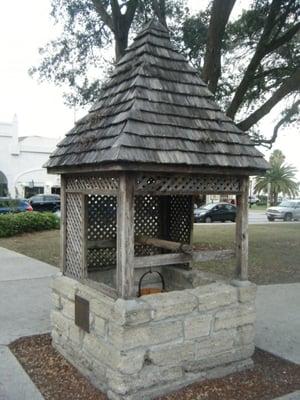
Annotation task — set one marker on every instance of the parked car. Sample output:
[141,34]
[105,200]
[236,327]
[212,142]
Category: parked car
[47,202]
[14,206]
[286,210]
[215,212]
[253,200]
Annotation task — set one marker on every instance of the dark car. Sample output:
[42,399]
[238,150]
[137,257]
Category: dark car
[14,206]
[45,202]
[215,212]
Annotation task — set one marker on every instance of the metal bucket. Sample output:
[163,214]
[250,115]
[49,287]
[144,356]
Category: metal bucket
[151,290]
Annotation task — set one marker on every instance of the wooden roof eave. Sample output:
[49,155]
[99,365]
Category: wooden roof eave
[154,168]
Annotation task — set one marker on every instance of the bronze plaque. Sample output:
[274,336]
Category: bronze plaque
[82,313]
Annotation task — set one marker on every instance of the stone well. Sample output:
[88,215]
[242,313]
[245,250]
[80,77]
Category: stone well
[132,169]
[144,347]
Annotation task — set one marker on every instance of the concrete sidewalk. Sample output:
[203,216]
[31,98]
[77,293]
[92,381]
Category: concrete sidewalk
[25,302]
[291,396]
[278,320]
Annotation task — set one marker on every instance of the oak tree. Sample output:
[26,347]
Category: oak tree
[251,63]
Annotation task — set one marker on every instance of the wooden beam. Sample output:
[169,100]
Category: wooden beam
[125,237]
[180,258]
[165,244]
[212,255]
[161,259]
[242,232]
[159,168]
[192,201]
[84,235]
[164,216]
[101,244]
[63,223]
[94,191]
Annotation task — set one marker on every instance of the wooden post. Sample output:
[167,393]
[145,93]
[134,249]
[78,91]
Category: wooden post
[192,198]
[125,237]
[242,231]
[63,223]
[164,216]
[84,236]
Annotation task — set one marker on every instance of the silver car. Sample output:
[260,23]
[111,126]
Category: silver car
[287,210]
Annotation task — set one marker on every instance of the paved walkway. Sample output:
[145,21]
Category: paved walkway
[25,307]
[278,320]
[291,396]
[24,310]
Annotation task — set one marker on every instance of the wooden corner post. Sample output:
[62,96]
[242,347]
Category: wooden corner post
[242,231]
[125,237]
[63,223]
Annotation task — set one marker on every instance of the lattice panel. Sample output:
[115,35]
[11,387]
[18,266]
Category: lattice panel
[147,222]
[102,224]
[101,258]
[188,184]
[180,218]
[81,183]
[74,236]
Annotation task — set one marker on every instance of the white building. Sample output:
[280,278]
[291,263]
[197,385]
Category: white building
[21,161]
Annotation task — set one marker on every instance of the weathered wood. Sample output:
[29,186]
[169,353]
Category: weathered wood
[242,232]
[161,259]
[94,191]
[165,244]
[212,255]
[125,237]
[190,265]
[186,184]
[63,224]
[155,168]
[171,122]
[84,235]
[180,258]
[101,244]
[164,216]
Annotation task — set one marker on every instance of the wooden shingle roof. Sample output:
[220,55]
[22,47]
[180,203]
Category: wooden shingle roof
[156,110]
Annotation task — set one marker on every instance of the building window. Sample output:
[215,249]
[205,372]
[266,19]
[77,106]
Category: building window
[3,185]
[55,190]
[32,191]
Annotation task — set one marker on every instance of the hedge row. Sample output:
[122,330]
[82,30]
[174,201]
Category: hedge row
[13,224]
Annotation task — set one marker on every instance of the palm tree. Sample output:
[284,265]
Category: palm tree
[280,178]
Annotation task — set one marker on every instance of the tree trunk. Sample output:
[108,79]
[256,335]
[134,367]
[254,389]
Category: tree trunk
[121,43]
[159,9]
[118,23]
[221,10]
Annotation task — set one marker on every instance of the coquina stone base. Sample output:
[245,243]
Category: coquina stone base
[142,348]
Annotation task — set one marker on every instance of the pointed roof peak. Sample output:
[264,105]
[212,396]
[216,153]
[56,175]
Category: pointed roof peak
[156,110]
[153,25]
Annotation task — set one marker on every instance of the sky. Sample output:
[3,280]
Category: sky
[24,27]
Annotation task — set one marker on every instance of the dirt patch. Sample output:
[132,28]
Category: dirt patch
[59,380]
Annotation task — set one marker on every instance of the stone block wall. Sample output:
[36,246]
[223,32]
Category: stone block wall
[141,348]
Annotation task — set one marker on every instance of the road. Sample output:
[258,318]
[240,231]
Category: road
[257,217]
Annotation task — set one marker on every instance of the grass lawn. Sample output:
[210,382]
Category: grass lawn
[274,250]
[43,246]
[257,208]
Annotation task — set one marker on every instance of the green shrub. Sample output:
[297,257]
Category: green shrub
[13,224]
